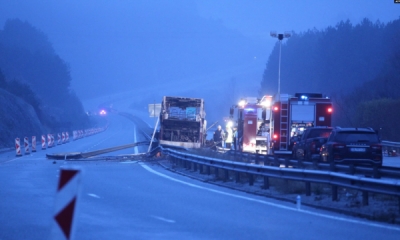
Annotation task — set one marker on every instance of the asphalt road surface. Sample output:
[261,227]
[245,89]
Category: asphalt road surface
[139,200]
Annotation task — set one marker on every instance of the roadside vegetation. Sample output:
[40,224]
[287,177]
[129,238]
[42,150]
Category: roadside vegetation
[358,66]
[33,77]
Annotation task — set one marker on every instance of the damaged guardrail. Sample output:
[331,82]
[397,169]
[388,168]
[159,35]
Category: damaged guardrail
[80,155]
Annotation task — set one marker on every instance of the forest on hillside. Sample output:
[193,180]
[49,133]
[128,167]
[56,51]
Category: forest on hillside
[31,70]
[358,66]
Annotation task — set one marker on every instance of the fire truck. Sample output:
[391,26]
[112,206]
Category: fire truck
[252,124]
[182,122]
[266,125]
[291,115]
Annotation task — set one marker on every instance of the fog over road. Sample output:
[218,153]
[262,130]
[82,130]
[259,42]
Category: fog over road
[142,200]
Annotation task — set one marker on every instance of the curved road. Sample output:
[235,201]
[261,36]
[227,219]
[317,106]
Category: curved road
[137,200]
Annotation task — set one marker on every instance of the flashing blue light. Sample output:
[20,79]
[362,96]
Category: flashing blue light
[249,109]
[303,97]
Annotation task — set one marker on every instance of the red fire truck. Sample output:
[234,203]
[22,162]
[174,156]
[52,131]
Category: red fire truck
[252,124]
[291,115]
[266,125]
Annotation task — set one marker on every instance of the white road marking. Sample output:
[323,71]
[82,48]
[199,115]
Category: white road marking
[269,203]
[93,195]
[130,162]
[164,219]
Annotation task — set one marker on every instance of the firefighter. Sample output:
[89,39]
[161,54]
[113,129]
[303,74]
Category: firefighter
[228,137]
[235,133]
[218,136]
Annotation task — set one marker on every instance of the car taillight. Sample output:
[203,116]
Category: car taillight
[275,136]
[376,150]
[376,147]
[337,150]
[312,146]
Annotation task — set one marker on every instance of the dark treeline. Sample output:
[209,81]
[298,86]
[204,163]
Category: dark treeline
[31,70]
[358,66]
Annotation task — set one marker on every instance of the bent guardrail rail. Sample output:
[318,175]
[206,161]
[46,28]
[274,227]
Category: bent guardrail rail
[78,155]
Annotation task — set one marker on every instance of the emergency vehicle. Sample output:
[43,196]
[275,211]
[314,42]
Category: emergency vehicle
[253,124]
[291,115]
[266,125]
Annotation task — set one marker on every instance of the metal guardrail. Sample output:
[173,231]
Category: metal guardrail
[335,179]
[80,155]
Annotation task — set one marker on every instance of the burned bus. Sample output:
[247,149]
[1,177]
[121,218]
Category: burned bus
[182,122]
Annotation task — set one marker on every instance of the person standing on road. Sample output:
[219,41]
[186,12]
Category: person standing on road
[218,136]
[228,137]
[234,138]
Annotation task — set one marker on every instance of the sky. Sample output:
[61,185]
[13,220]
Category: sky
[196,46]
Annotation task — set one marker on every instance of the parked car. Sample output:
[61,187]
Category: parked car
[359,146]
[308,146]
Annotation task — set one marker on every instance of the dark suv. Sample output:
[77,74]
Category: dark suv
[310,142]
[359,146]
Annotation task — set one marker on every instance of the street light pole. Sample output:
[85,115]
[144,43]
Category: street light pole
[280,36]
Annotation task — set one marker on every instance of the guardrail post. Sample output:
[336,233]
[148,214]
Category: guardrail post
[399,203]
[334,193]
[375,171]
[300,163]
[308,189]
[226,175]
[195,167]
[365,198]
[201,168]
[352,169]
[315,164]
[208,170]
[257,156]
[237,179]
[216,172]
[251,179]
[332,166]
[286,162]
[266,160]
[266,183]
[276,161]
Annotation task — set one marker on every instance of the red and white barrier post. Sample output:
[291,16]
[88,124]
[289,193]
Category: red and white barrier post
[58,139]
[33,143]
[26,144]
[63,137]
[65,203]
[52,140]
[18,147]
[43,142]
[49,141]
[66,137]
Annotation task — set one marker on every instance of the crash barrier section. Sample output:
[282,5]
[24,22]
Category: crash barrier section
[334,179]
[78,134]
[26,145]
[18,147]
[33,143]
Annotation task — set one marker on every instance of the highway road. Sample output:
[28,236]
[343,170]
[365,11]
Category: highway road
[141,200]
